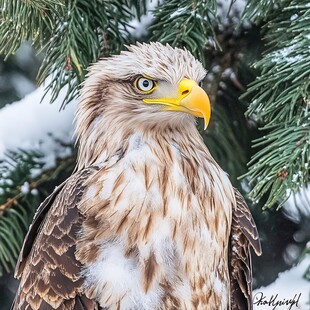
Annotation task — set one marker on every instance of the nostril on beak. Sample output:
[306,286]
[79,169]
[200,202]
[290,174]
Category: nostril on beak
[185,92]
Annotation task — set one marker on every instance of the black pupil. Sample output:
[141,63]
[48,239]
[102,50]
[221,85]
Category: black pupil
[146,83]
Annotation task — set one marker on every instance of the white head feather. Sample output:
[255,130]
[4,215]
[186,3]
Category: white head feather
[109,105]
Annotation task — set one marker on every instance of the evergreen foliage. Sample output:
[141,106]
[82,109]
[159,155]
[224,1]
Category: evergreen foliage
[274,92]
[17,203]
[181,23]
[280,98]
[21,191]
[72,34]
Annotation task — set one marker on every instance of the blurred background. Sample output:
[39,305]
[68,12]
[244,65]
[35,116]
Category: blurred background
[258,60]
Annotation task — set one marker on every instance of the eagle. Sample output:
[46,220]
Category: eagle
[148,220]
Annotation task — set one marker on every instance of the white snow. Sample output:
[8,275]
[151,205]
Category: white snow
[286,54]
[290,285]
[140,28]
[31,125]
[294,16]
[298,205]
[34,192]
[22,85]
[230,8]
[179,11]
[25,188]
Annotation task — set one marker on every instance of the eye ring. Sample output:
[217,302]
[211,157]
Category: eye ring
[145,85]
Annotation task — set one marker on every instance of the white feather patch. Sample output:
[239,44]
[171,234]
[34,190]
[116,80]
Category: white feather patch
[117,277]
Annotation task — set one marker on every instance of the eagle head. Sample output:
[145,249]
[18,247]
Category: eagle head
[149,86]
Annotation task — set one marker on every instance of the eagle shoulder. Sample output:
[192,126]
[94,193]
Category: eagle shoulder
[47,267]
[243,236]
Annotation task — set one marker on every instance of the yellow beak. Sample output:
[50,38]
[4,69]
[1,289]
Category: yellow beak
[190,99]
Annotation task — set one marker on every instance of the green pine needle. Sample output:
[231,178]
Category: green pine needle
[185,23]
[280,101]
[15,214]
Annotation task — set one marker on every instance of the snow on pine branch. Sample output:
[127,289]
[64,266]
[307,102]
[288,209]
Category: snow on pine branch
[30,125]
[139,28]
[230,11]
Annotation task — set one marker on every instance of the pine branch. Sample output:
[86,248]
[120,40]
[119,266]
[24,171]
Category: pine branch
[280,100]
[23,20]
[85,31]
[20,194]
[258,11]
[282,165]
[15,218]
[140,7]
[72,33]
[186,23]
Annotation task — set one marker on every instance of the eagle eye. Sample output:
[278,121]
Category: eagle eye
[145,85]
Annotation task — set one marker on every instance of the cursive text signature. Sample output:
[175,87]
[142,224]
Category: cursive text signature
[260,299]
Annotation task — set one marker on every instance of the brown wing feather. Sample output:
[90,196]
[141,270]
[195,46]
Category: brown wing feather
[33,229]
[243,235]
[47,267]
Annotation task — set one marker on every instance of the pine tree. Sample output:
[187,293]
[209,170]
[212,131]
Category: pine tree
[280,100]
[258,63]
